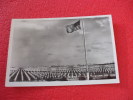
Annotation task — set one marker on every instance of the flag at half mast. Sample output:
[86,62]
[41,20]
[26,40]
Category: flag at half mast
[73,27]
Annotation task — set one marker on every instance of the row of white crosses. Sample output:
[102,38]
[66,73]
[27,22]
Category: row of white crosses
[35,73]
[58,74]
[21,72]
[102,70]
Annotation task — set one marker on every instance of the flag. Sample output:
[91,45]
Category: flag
[73,27]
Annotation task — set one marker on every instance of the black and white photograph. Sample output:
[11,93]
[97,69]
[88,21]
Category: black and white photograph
[62,51]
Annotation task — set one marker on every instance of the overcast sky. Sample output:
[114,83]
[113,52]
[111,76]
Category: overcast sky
[46,42]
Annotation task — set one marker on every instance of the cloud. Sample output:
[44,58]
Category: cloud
[42,42]
[102,22]
[26,25]
[34,24]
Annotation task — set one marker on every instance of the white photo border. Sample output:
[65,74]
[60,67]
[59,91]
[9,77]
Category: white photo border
[61,83]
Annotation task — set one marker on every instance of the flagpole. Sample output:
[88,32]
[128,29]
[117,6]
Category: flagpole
[85,49]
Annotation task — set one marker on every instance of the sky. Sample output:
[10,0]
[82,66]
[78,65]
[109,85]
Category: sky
[46,42]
